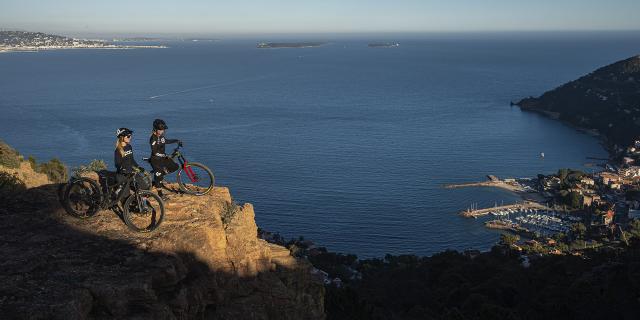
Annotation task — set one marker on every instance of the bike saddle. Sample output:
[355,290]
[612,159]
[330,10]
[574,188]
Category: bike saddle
[107,174]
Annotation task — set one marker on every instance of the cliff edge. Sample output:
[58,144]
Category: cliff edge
[55,266]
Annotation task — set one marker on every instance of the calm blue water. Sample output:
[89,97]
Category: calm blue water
[344,144]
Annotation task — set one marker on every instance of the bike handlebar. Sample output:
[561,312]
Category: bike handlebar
[173,154]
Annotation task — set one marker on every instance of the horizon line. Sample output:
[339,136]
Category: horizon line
[249,33]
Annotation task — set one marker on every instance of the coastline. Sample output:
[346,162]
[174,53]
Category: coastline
[51,48]
[606,144]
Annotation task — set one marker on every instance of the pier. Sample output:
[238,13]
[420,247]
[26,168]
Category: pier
[490,183]
[474,213]
[526,192]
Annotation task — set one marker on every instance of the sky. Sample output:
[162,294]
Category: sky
[319,16]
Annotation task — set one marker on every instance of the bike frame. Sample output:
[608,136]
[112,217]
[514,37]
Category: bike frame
[183,164]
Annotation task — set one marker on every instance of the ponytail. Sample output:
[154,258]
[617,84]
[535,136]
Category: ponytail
[119,146]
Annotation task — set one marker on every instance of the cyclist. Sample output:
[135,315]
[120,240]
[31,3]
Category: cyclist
[162,164]
[124,161]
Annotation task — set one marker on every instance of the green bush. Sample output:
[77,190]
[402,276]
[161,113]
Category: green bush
[9,157]
[507,239]
[634,228]
[54,169]
[9,186]
[33,163]
[229,211]
[578,230]
[94,166]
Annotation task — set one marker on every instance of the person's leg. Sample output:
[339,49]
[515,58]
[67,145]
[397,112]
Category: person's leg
[158,176]
[171,166]
[120,182]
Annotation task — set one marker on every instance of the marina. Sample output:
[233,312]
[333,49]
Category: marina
[532,222]
[528,218]
[505,210]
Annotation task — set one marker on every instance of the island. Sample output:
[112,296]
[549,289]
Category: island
[268,45]
[383,45]
[22,41]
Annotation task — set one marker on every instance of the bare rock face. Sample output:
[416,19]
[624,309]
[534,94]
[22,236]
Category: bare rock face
[55,266]
[27,175]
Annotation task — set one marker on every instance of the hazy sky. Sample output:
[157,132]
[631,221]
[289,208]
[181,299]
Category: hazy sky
[320,16]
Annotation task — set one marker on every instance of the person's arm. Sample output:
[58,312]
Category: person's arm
[135,164]
[117,160]
[171,141]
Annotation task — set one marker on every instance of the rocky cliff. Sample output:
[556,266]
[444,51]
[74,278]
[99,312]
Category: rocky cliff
[55,266]
[606,100]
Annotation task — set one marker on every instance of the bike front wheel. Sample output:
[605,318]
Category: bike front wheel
[196,179]
[143,211]
[82,198]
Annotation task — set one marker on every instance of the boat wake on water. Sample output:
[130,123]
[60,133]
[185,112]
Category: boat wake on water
[222,84]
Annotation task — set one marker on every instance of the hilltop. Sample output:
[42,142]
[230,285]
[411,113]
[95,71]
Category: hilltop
[606,100]
[55,266]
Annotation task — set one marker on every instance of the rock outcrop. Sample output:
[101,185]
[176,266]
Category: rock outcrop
[606,100]
[55,266]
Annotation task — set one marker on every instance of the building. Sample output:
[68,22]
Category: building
[589,200]
[602,219]
[552,183]
[607,178]
[630,172]
[586,181]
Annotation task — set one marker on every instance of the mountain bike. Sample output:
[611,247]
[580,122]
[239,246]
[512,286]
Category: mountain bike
[193,178]
[142,210]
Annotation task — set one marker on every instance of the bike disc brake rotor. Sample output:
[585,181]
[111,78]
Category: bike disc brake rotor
[142,209]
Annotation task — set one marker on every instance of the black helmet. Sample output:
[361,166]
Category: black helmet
[158,124]
[123,132]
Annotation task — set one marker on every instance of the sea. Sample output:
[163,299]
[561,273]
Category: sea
[346,145]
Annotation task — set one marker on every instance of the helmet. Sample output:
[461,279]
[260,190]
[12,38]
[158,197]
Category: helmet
[123,132]
[159,124]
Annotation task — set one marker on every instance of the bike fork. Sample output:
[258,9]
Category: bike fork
[192,176]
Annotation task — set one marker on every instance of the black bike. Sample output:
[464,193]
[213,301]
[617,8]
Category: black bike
[193,178]
[142,210]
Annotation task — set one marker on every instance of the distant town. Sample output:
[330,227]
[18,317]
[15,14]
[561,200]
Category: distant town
[569,211]
[36,41]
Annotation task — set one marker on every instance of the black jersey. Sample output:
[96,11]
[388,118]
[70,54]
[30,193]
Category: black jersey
[125,163]
[157,145]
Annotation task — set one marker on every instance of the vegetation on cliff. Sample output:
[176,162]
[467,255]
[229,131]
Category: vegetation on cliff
[607,100]
[12,159]
[493,285]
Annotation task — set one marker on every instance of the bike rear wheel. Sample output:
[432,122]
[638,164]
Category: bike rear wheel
[143,211]
[82,198]
[196,179]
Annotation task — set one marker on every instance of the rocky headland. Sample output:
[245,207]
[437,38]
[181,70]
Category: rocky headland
[606,101]
[55,266]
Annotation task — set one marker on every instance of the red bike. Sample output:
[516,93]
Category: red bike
[193,177]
